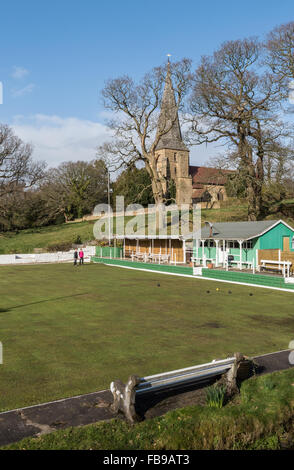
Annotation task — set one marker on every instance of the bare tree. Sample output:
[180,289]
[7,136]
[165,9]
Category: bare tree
[234,103]
[136,130]
[17,169]
[280,47]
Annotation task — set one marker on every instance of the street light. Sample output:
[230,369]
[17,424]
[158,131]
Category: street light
[108,200]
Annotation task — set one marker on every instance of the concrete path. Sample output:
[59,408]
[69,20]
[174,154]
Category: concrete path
[90,408]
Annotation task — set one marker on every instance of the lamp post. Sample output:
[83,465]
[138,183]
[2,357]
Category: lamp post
[108,200]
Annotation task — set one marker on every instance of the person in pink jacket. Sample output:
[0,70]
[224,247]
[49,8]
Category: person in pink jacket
[81,256]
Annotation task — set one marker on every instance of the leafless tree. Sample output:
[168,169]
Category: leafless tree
[17,169]
[135,129]
[280,47]
[235,103]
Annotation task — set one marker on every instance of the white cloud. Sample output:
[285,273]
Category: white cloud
[23,91]
[19,72]
[56,139]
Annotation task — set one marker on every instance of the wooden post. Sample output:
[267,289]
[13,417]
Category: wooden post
[124,398]
[241,369]
[240,243]
[216,253]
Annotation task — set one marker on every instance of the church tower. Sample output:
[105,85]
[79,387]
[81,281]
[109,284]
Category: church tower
[172,153]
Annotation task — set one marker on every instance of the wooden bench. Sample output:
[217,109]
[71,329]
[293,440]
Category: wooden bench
[271,269]
[124,395]
[277,266]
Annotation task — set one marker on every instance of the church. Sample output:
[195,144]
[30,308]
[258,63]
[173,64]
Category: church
[194,184]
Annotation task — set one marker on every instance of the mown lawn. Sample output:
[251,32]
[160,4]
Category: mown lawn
[67,330]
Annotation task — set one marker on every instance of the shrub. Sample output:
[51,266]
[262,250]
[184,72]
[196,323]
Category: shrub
[78,240]
[62,246]
[215,396]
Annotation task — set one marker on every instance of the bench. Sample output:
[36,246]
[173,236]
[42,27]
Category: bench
[249,264]
[271,269]
[124,395]
[159,258]
[141,256]
[277,266]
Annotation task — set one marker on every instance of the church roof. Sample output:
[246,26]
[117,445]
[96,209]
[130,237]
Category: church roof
[198,192]
[204,175]
[169,120]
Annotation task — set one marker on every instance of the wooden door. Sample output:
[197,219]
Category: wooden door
[286,243]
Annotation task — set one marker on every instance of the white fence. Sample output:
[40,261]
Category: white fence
[58,257]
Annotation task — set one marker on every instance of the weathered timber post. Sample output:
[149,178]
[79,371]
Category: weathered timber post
[240,370]
[124,398]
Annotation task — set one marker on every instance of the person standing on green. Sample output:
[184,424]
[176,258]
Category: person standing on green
[76,257]
[81,255]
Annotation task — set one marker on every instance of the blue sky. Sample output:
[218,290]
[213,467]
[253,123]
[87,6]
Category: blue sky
[56,56]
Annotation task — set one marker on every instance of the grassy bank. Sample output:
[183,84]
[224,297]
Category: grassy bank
[260,418]
[25,241]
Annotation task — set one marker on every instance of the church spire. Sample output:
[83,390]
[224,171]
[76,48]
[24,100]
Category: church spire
[168,118]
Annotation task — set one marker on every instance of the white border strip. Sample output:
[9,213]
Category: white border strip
[269,354]
[200,277]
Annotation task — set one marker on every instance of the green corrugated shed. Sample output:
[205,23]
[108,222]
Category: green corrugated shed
[273,238]
[263,235]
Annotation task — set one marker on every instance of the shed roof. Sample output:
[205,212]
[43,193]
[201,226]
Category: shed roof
[237,230]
